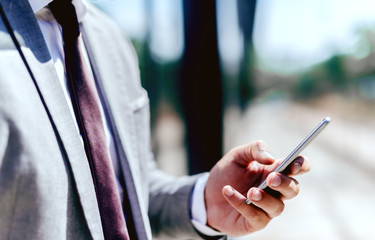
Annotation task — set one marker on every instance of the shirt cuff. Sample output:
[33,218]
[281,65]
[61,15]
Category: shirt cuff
[198,208]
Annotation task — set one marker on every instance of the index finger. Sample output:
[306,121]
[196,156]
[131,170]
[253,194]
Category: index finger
[255,218]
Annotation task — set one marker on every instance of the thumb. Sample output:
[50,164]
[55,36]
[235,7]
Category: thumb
[256,151]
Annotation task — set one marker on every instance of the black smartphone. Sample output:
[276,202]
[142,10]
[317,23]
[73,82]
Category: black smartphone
[293,155]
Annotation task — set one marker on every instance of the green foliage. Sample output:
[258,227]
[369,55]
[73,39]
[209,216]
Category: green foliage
[353,72]
[306,86]
[329,75]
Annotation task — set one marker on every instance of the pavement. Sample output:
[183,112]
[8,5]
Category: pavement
[337,197]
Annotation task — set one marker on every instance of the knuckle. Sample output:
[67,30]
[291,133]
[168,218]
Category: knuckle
[259,221]
[297,188]
[255,215]
[260,145]
[294,190]
[280,209]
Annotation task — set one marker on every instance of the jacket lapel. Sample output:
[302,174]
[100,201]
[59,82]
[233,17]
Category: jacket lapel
[35,51]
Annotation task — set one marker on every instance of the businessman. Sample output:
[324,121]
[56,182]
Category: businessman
[75,159]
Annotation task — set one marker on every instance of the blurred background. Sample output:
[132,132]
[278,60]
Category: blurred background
[226,72]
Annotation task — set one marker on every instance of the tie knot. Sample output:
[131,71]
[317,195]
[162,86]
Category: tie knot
[65,14]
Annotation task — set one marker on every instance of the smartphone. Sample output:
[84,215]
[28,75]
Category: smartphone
[289,159]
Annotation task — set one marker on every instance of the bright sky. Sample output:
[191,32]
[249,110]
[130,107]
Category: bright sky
[300,33]
[288,34]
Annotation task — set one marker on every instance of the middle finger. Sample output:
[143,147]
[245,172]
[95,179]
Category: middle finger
[288,187]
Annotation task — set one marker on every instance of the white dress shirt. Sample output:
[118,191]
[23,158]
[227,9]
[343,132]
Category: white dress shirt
[53,37]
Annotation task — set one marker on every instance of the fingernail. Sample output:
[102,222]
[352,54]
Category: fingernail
[275,181]
[257,195]
[296,167]
[228,190]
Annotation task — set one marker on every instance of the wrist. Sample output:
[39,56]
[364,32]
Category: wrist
[199,210]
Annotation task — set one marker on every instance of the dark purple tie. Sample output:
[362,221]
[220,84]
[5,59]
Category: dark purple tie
[86,106]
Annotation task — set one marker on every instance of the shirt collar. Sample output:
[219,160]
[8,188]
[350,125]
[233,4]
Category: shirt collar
[80,5]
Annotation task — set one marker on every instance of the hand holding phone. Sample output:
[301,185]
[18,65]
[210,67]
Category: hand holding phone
[292,156]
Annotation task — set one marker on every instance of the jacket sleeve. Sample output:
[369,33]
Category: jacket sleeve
[169,205]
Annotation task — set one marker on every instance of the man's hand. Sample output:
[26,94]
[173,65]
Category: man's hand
[235,177]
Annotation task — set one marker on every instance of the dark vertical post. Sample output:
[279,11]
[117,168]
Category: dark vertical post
[201,86]
[246,16]
[151,79]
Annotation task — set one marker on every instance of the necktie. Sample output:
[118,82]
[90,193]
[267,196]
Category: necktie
[86,106]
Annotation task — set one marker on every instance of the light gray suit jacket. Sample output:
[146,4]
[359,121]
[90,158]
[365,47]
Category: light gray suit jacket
[46,190]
